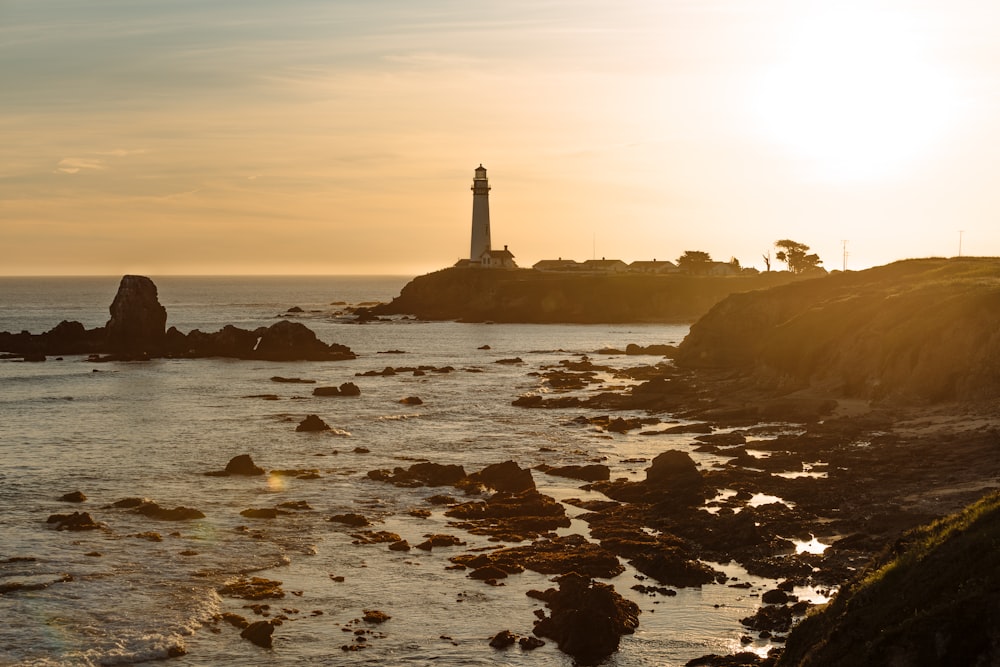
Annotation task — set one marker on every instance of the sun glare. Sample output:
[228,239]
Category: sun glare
[856,95]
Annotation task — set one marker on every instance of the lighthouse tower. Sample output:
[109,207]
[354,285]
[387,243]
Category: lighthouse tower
[480,215]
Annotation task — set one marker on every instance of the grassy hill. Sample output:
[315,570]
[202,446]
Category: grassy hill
[934,599]
[925,329]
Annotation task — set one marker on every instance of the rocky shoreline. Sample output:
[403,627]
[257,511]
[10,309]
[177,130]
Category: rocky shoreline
[858,443]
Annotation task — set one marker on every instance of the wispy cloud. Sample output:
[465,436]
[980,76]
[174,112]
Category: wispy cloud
[74,165]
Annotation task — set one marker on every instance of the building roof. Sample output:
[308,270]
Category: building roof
[646,264]
[603,263]
[555,264]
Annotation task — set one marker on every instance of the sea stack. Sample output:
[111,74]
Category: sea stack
[138,321]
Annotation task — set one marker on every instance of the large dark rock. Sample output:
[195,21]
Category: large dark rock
[243,465]
[587,619]
[259,633]
[154,511]
[673,468]
[138,321]
[75,521]
[312,423]
[506,476]
[282,341]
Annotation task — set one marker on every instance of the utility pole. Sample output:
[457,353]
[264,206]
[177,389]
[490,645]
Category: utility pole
[960,232]
[845,254]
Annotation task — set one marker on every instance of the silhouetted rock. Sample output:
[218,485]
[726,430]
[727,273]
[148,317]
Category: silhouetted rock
[588,473]
[350,389]
[503,639]
[75,521]
[243,465]
[73,497]
[138,321]
[586,619]
[411,400]
[659,350]
[259,632]
[154,511]
[421,474]
[673,468]
[506,476]
[136,331]
[312,423]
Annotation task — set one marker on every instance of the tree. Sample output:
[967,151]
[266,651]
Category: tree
[796,256]
[694,261]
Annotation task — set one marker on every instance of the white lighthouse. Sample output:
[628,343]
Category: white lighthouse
[480,216]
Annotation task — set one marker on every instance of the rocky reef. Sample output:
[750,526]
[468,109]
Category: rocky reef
[136,330]
[477,295]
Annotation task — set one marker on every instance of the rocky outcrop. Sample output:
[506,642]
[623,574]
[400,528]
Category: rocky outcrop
[312,423]
[282,341]
[136,330]
[138,321]
[586,619]
[421,474]
[259,633]
[75,522]
[534,296]
[243,465]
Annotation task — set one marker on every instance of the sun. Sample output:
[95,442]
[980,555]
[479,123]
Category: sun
[855,94]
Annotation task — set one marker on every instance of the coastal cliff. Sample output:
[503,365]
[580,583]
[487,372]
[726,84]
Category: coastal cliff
[915,330]
[479,295]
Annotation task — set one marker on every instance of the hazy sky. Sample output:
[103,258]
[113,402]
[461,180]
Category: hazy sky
[340,136]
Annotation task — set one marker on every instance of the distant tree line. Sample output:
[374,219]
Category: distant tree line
[795,255]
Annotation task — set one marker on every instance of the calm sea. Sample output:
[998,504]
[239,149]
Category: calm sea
[142,588]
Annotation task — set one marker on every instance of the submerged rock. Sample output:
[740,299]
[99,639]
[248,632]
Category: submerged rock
[73,497]
[154,511]
[255,588]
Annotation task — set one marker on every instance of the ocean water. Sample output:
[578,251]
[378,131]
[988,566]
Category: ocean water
[142,589]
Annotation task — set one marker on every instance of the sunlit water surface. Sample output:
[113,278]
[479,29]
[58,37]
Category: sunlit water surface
[152,429]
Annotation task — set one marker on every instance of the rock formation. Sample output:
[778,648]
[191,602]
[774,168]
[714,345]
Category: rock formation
[587,619]
[136,331]
[138,321]
[534,296]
